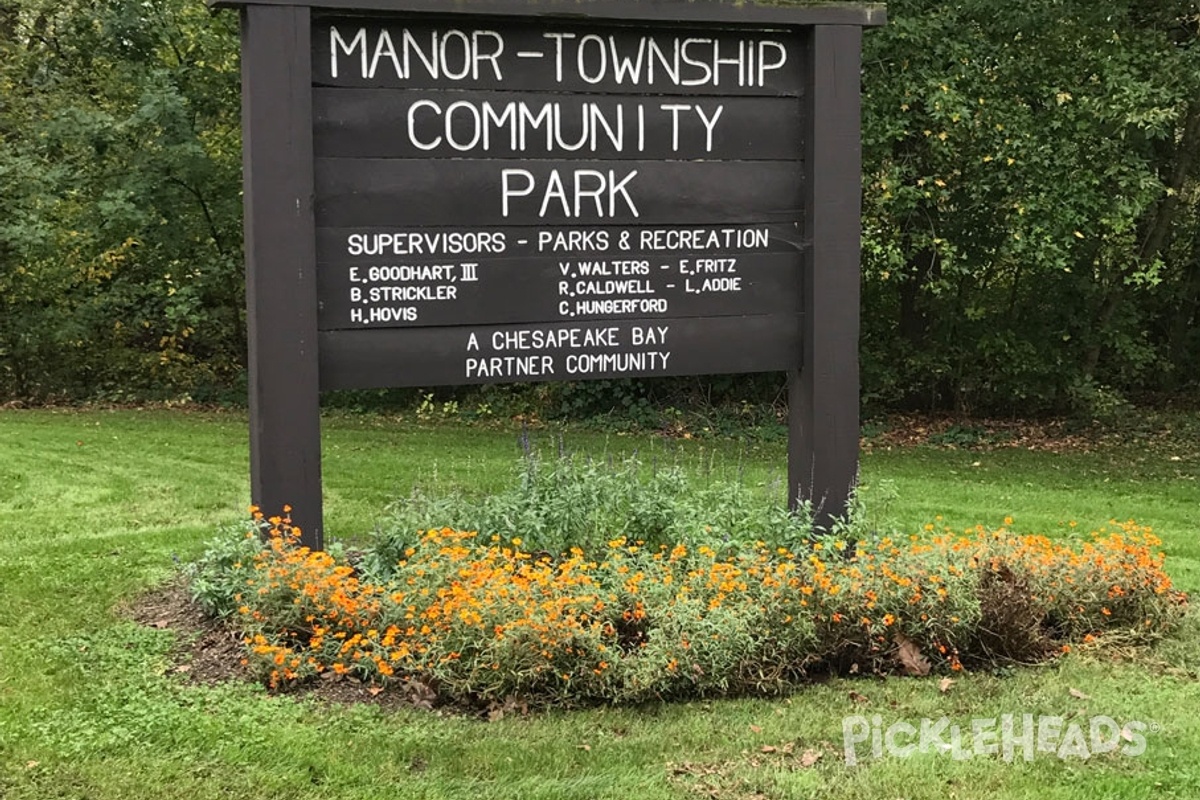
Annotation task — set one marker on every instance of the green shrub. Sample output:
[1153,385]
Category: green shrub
[565,501]
[221,572]
[480,619]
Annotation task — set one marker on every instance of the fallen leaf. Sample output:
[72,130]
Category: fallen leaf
[688,768]
[160,623]
[1078,695]
[755,729]
[184,668]
[32,764]
[910,656]
[375,691]
[944,685]
[768,748]
[498,710]
[859,698]
[587,748]
[421,694]
[809,758]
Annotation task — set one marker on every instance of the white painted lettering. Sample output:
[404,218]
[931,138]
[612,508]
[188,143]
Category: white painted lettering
[481,55]
[763,66]
[412,125]
[624,67]
[709,125]
[467,61]
[602,68]
[336,43]
[554,189]
[509,190]
[675,109]
[384,47]
[558,52]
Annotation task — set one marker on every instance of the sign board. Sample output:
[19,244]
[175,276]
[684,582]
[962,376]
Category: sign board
[499,191]
[554,201]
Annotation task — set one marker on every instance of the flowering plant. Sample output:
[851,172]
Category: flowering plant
[482,619]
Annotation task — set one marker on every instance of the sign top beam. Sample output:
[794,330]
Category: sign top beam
[746,12]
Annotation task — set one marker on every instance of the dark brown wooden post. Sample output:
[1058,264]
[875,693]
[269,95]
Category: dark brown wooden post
[281,288]
[823,394]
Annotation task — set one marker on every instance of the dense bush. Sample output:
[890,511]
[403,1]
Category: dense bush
[480,618]
[565,501]
[1030,206]
[120,209]
[1031,240]
[218,575]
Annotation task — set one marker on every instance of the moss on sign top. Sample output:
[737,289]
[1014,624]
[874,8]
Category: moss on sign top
[779,12]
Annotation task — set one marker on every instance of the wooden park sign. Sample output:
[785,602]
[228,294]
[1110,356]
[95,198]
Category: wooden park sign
[445,192]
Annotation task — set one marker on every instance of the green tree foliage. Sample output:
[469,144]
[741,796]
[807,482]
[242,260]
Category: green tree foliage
[1030,201]
[1031,236]
[120,213]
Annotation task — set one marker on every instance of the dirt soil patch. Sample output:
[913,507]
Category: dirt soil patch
[205,652]
[208,653]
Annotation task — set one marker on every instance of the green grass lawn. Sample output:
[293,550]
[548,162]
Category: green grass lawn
[96,506]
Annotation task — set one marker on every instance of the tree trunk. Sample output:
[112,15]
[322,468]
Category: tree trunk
[1183,321]
[1164,216]
[914,315]
[1112,301]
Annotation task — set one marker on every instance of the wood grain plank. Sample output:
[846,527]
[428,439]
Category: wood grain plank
[366,359]
[414,123]
[384,192]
